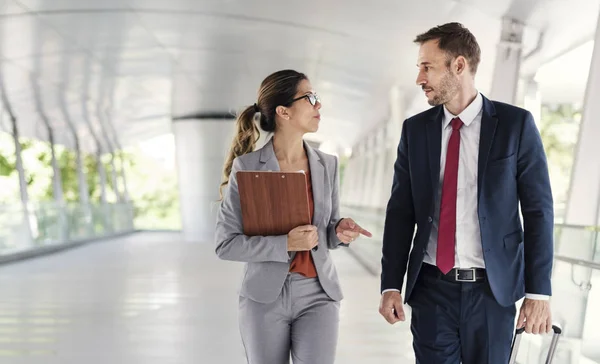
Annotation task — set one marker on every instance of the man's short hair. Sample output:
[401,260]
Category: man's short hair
[455,40]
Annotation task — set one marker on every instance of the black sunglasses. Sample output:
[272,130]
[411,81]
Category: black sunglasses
[312,98]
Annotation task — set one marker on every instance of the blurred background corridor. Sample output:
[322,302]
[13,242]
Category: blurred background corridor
[115,117]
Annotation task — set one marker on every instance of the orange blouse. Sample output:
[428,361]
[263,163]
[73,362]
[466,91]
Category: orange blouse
[303,262]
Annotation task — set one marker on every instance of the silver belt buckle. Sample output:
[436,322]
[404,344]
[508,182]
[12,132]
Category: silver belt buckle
[458,279]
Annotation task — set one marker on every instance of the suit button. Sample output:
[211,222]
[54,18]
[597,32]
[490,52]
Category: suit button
[429,219]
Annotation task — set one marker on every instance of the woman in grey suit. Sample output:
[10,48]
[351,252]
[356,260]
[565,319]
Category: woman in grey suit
[290,293]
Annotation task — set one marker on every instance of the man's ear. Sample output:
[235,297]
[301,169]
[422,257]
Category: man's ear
[461,65]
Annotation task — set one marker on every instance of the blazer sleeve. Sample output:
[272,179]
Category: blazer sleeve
[231,242]
[399,221]
[333,242]
[535,195]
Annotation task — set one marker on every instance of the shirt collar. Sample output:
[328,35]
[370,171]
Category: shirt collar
[468,115]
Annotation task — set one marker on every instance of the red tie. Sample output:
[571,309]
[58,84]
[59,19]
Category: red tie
[447,229]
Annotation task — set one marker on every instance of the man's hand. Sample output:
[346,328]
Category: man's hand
[347,230]
[535,316]
[390,307]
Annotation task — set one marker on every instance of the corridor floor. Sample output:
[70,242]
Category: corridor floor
[150,298]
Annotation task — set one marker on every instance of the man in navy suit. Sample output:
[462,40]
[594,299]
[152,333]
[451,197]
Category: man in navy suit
[462,169]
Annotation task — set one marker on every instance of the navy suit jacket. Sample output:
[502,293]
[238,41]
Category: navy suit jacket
[512,169]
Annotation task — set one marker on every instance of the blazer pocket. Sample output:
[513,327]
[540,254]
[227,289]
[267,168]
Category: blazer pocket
[502,161]
[513,239]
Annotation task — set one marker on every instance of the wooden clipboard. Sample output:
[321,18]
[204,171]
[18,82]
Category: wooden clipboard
[273,203]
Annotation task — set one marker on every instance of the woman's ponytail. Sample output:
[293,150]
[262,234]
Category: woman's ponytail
[244,142]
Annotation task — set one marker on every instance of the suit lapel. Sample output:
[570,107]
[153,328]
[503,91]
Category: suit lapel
[267,158]
[434,146]
[489,122]
[317,172]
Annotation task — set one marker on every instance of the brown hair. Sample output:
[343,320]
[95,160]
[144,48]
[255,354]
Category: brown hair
[278,89]
[455,40]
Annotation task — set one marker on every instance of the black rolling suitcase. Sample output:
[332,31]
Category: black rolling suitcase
[517,340]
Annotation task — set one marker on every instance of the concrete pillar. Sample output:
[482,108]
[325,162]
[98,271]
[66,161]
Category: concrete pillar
[113,175]
[583,205]
[82,182]
[201,146]
[202,140]
[84,192]
[583,208]
[393,132]
[99,149]
[380,167]
[110,145]
[359,177]
[369,182]
[532,100]
[101,174]
[19,163]
[508,62]
[56,176]
[126,196]
[28,235]
[397,113]
[349,178]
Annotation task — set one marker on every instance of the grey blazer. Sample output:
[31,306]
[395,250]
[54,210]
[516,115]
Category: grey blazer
[267,259]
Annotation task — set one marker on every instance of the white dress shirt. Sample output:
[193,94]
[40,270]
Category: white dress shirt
[469,251]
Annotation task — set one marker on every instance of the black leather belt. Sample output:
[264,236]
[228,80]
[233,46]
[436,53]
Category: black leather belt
[457,275]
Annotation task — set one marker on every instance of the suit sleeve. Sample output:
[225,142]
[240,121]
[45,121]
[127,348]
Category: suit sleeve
[399,221]
[231,242]
[535,195]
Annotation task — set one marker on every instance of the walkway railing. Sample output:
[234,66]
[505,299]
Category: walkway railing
[49,226]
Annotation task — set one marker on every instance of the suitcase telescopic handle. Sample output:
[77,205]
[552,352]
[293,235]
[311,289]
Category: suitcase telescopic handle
[557,330]
[517,340]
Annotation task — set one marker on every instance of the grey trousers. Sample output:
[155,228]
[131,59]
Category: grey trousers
[303,321]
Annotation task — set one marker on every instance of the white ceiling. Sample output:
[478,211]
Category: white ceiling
[97,61]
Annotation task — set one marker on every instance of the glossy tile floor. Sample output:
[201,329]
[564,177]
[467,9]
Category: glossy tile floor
[149,298]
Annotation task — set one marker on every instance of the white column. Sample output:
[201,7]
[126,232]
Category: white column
[28,235]
[583,208]
[368,187]
[114,177]
[508,62]
[397,113]
[361,164]
[393,131]
[380,166]
[202,140]
[81,180]
[533,99]
[101,174]
[126,196]
[56,175]
[584,194]
[84,193]
[201,147]
[349,180]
